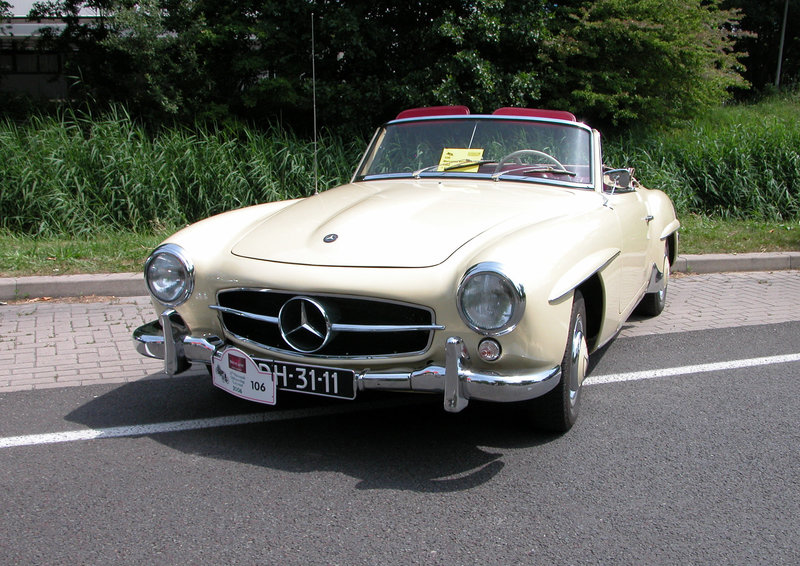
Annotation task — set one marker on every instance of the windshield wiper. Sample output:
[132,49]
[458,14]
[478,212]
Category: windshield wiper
[418,172]
[528,170]
[453,167]
[463,164]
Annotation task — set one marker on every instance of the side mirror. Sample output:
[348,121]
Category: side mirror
[617,179]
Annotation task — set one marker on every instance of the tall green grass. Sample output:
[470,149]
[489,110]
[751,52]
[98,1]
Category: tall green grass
[739,161]
[75,175]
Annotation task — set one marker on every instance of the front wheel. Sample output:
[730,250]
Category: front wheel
[557,410]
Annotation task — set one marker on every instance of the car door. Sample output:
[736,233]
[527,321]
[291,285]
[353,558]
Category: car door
[634,220]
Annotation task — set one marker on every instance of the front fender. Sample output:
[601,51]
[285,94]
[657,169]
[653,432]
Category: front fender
[580,272]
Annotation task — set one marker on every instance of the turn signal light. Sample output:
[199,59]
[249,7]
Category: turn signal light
[489,350]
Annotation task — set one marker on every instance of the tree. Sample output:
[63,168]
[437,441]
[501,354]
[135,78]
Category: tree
[492,53]
[130,54]
[5,12]
[252,59]
[614,62]
[764,20]
[621,62]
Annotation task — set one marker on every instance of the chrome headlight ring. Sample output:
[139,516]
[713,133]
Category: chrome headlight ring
[489,301]
[169,274]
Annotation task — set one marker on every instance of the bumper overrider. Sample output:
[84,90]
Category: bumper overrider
[169,339]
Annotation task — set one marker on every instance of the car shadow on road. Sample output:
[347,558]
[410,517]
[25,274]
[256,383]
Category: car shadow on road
[388,441]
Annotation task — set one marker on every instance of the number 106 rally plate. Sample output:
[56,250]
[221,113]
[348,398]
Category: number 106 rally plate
[257,380]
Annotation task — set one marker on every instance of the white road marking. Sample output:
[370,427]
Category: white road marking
[685,370]
[237,420]
[195,424]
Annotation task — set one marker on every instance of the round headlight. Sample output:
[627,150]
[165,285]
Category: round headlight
[488,301]
[169,275]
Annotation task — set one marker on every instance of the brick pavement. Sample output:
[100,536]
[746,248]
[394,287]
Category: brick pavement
[723,300]
[47,344]
[50,344]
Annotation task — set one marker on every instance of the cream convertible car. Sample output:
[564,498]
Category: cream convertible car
[481,257]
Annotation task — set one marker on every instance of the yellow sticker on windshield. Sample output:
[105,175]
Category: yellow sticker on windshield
[453,156]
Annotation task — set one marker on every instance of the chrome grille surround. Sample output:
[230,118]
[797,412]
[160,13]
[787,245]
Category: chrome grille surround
[335,326]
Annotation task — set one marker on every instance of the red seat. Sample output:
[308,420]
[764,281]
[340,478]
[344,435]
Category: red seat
[433,111]
[536,113]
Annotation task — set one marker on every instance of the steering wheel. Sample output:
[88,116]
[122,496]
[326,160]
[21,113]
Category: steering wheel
[514,157]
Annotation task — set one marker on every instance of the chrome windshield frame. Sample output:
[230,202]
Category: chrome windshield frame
[377,138]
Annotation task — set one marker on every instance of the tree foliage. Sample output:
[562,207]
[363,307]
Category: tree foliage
[623,61]
[763,19]
[612,61]
[5,12]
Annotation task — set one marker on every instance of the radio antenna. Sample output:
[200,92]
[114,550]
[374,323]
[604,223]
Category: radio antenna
[314,103]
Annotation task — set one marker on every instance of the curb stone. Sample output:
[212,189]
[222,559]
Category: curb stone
[112,284]
[718,263]
[132,284]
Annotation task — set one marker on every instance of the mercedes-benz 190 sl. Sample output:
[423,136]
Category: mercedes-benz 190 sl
[477,256]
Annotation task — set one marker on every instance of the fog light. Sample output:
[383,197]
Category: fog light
[489,350]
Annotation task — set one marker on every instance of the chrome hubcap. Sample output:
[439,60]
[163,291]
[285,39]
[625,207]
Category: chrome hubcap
[663,292]
[579,361]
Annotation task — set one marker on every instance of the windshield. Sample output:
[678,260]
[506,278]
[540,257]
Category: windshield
[499,149]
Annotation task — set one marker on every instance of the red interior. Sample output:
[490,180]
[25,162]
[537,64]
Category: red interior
[506,111]
[536,113]
[433,111]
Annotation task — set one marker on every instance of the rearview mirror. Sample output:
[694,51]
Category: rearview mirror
[617,179]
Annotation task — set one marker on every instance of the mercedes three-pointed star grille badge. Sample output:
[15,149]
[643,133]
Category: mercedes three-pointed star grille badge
[304,324]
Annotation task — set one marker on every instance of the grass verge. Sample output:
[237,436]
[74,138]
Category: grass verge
[105,253]
[125,252]
[704,235]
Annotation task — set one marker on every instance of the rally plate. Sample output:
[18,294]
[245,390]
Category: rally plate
[258,379]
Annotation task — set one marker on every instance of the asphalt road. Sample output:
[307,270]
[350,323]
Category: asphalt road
[699,466]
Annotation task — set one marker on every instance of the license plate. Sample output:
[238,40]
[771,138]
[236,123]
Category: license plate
[257,379]
[314,380]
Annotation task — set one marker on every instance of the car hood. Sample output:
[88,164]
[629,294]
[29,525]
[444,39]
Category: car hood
[395,223]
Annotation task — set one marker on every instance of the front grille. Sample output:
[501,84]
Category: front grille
[357,327]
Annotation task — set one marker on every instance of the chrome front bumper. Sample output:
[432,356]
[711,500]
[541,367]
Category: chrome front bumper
[457,380]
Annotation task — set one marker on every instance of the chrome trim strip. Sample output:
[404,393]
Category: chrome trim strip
[295,353]
[313,294]
[245,314]
[336,327]
[367,152]
[438,175]
[385,327]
